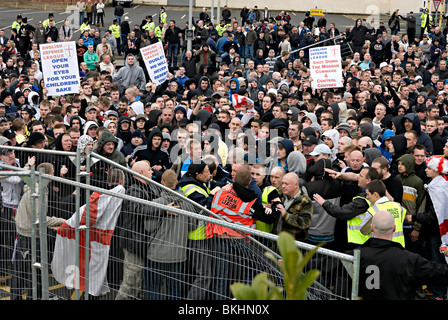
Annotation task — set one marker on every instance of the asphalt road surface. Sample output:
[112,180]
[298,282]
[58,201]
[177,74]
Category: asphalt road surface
[137,13]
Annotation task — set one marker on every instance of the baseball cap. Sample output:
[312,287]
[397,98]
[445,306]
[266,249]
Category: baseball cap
[320,148]
[217,94]
[166,136]
[9,133]
[90,108]
[290,73]
[111,113]
[309,141]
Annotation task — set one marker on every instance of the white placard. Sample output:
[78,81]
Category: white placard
[155,62]
[60,68]
[325,67]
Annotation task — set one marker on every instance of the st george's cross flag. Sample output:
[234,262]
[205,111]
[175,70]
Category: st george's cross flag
[104,212]
[239,101]
[437,191]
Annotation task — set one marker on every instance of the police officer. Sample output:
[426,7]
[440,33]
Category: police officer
[116,32]
[158,31]
[46,22]
[149,25]
[221,28]
[17,24]
[85,25]
[162,16]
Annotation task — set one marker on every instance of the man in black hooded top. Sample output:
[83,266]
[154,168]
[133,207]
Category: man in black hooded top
[158,158]
[411,121]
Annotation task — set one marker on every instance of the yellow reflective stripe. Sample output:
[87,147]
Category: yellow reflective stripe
[190,188]
[199,233]
[265,194]
[398,235]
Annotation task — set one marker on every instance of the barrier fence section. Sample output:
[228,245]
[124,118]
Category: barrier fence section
[93,229]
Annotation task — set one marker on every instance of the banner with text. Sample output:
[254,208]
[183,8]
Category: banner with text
[155,62]
[325,67]
[60,68]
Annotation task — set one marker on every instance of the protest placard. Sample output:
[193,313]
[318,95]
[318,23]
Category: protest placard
[325,67]
[60,68]
[155,62]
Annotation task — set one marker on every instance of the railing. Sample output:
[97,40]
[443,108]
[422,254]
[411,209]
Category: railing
[223,261]
[335,41]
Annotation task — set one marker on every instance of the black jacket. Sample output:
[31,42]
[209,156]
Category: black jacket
[348,211]
[131,224]
[400,272]
[257,210]
[158,157]
[357,35]
[196,196]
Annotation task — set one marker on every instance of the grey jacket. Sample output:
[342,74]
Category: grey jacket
[131,75]
[169,232]
[23,217]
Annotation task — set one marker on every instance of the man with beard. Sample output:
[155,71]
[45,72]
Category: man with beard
[393,185]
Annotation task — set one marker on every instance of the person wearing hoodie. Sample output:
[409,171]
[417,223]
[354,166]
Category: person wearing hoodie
[204,87]
[112,127]
[331,139]
[124,129]
[357,36]
[284,148]
[33,101]
[130,75]
[322,228]
[297,164]
[371,154]
[90,128]
[414,200]
[106,146]
[308,119]
[382,147]
[411,121]
[397,146]
[203,55]
[234,85]
[158,158]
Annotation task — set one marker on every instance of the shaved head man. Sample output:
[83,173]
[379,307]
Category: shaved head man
[383,225]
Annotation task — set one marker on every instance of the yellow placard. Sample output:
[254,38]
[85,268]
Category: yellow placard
[316,12]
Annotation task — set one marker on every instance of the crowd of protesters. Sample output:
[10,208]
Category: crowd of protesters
[242,99]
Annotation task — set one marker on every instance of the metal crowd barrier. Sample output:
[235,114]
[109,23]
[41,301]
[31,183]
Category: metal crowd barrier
[147,275]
